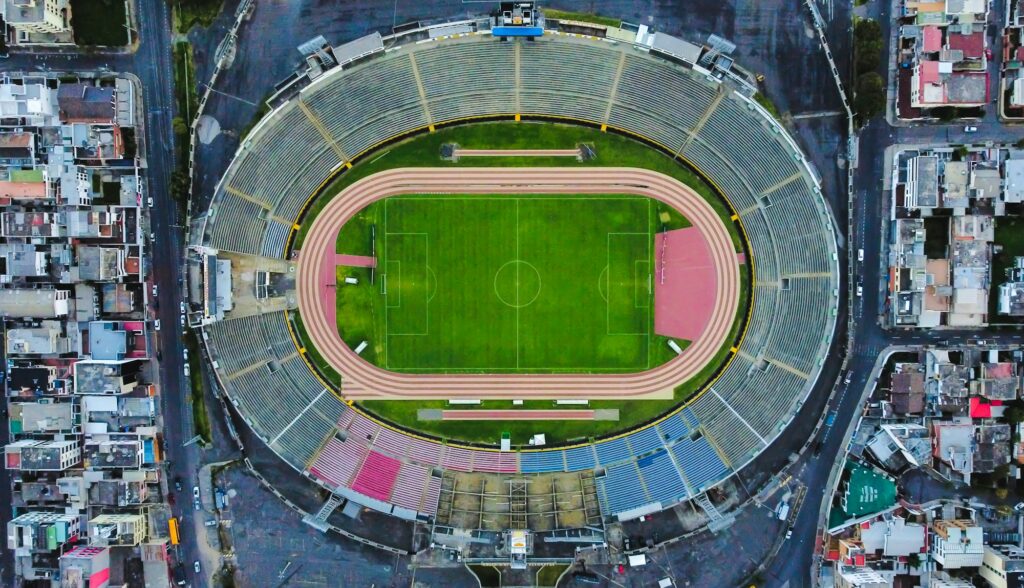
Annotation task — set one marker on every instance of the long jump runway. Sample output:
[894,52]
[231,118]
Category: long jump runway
[363,380]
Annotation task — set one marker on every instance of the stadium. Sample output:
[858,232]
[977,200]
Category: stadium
[430,186]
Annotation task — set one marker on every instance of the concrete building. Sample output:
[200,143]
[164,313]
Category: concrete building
[106,377]
[33,303]
[85,567]
[859,577]
[39,16]
[117,529]
[957,543]
[42,532]
[36,455]
[43,417]
[1003,566]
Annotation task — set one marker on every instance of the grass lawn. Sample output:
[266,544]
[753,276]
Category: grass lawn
[200,416]
[99,22]
[582,17]
[185,81]
[505,284]
[545,231]
[189,13]
[1010,234]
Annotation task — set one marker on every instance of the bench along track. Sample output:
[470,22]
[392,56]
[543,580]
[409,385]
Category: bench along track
[363,380]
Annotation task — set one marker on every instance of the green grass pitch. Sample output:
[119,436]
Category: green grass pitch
[508,284]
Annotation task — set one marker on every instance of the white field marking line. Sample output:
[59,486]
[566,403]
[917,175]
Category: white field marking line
[608,322]
[640,283]
[517,283]
[426,237]
[398,280]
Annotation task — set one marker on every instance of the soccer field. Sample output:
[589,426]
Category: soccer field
[513,284]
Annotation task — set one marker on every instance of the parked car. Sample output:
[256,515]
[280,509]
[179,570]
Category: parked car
[196,566]
[156,325]
[182,320]
[177,483]
[970,129]
[186,370]
[195,492]
[182,306]
[149,201]
[860,255]
[196,505]
[154,290]
[789,533]
[860,291]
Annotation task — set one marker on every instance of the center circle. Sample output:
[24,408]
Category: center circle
[517,283]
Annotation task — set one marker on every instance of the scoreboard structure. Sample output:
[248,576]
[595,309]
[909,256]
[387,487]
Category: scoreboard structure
[517,19]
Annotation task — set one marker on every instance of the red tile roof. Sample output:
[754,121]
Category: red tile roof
[972,45]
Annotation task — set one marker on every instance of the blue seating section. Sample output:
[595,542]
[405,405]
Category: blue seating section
[620,488]
[542,461]
[662,478]
[613,451]
[580,458]
[673,428]
[645,440]
[699,461]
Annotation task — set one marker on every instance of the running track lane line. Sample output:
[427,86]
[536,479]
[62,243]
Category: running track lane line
[362,380]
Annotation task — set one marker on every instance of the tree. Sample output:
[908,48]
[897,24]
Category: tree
[179,127]
[913,561]
[870,96]
[868,45]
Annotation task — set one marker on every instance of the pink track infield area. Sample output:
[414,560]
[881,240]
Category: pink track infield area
[329,278]
[685,285]
[518,415]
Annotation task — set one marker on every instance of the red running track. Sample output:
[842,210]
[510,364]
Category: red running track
[363,380]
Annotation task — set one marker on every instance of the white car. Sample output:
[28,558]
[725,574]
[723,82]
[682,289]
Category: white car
[154,290]
[156,325]
[149,201]
[183,320]
[184,353]
[181,305]
[970,129]
[195,492]
[186,370]
[860,291]
[196,566]
[860,255]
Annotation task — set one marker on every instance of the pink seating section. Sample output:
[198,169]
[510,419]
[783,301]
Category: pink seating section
[408,490]
[338,461]
[377,477]
[393,467]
